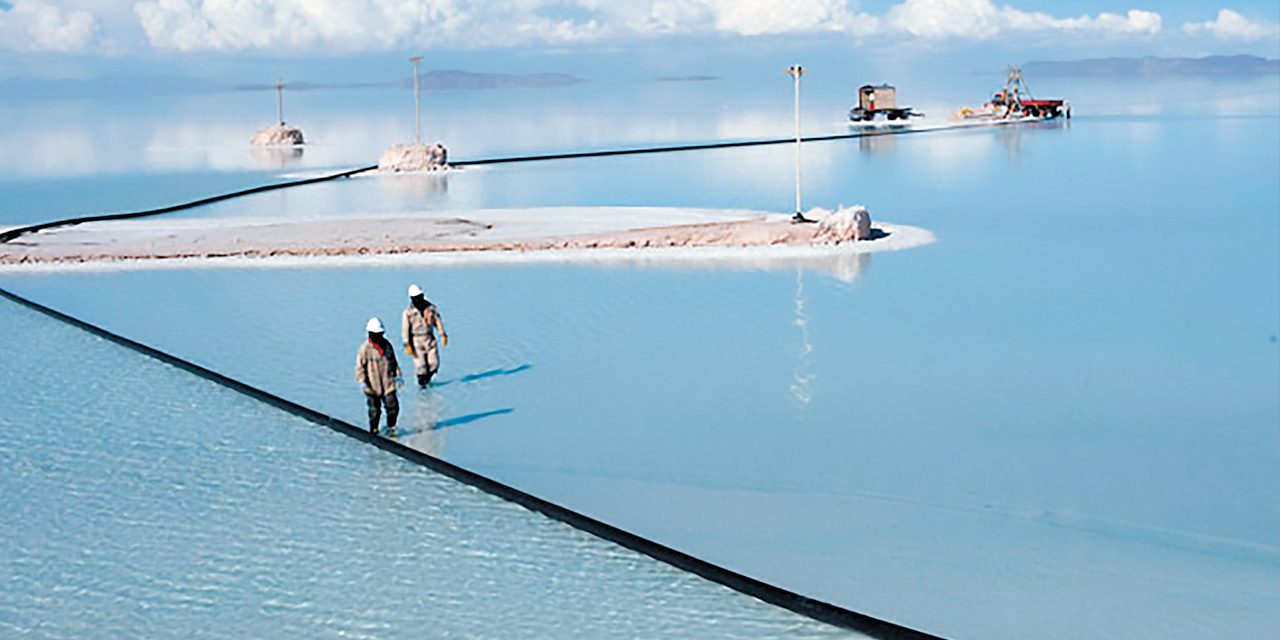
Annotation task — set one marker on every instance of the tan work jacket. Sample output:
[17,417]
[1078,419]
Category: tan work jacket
[377,372]
[417,328]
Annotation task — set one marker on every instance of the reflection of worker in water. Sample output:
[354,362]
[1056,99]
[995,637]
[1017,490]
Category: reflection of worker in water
[422,429]
[378,374]
[417,328]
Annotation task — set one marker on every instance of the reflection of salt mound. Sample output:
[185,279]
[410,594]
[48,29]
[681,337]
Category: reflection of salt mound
[277,135]
[275,156]
[843,225]
[414,157]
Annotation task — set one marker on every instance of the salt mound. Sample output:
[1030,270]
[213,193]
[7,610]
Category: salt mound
[277,135]
[414,157]
[843,225]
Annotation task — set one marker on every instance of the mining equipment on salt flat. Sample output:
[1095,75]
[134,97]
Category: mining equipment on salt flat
[874,100]
[1014,102]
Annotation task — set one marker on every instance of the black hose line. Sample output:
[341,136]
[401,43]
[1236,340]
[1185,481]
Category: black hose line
[15,233]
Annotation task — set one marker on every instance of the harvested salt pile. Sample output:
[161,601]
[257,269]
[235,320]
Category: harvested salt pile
[277,135]
[414,157]
[846,224]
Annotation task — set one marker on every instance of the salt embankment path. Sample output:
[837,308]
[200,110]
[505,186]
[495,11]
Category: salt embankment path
[644,234]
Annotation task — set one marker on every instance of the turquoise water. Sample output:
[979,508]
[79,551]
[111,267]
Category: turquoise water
[1061,415]
[142,501]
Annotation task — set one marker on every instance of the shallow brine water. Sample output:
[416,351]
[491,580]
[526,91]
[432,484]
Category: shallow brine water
[142,501]
[1059,420]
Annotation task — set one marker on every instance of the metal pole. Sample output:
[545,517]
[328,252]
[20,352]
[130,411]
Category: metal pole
[280,99]
[795,72]
[417,107]
[797,83]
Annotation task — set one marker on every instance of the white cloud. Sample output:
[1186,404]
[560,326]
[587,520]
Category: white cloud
[1135,22]
[339,26]
[1233,26]
[772,16]
[943,18]
[31,25]
[188,25]
[981,19]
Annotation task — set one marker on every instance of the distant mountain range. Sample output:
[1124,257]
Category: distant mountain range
[688,78]
[451,80]
[1211,66]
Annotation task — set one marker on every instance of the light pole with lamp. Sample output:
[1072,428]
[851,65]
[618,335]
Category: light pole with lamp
[800,386]
[280,99]
[417,108]
[795,71]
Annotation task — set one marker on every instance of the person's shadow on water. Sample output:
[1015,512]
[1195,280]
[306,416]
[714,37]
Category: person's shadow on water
[423,430]
[427,434]
[481,376]
[461,420]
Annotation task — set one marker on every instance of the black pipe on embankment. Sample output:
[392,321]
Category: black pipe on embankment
[818,610]
[15,233]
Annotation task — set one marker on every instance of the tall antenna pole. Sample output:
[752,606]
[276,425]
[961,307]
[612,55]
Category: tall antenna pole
[280,99]
[417,107]
[795,72]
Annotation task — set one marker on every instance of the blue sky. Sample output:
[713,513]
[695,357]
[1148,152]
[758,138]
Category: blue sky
[72,38]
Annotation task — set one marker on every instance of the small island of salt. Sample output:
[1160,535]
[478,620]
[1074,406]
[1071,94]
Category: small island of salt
[277,135]
[414,157]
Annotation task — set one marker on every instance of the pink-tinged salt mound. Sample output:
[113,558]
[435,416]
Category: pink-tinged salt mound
[277,135]
[414,157]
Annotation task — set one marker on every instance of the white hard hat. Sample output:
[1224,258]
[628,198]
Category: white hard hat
[374,326]
[414,290]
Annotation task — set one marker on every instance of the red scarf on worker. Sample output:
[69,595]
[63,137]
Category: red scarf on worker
[378,347]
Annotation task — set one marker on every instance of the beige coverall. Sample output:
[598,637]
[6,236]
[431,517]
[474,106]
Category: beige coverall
[417,330]
[377,372]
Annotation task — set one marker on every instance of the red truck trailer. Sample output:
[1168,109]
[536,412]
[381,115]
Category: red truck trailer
[1016,100]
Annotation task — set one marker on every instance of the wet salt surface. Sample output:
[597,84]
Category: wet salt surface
[140,501]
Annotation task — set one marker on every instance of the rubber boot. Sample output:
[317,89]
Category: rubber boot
[393,411]
[423,379]
[375,412]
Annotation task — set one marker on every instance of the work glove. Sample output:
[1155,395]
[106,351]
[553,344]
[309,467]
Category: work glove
[399,381]
[445,339]
[408,349]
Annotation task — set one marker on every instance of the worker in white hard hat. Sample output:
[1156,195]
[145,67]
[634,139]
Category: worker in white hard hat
[379,375]
[418,330]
